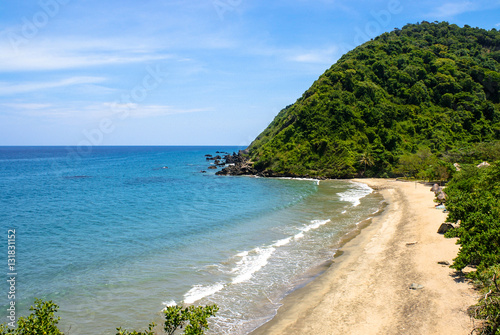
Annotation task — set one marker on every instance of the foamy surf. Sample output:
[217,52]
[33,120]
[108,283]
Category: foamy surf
[315,224]
[250,263]
[293,178]
[282,242]
[169,303]
[356,194]
[198,292]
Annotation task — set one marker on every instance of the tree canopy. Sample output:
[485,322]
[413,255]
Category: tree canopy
[428,87]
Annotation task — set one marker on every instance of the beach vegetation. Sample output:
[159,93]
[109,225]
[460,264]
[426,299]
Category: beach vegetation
[474,199]
[488,307]
[42,320]
[191,320]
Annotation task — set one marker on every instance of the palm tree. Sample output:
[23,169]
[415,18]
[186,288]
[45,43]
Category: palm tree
[366,158]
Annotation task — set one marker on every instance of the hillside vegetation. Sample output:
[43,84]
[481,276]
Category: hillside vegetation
[407,102]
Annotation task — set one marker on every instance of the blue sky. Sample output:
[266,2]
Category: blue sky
[197,72]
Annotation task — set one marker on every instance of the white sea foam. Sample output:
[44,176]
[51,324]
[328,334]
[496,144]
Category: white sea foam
[168,304]
[250,263]
[282,242]
[293,178]
[299,236]
[315,224]
[355,194]
[242,254]
[198,292]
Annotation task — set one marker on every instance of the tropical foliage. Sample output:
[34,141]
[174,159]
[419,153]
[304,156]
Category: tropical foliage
[429,87]
[474,199]
[42,320]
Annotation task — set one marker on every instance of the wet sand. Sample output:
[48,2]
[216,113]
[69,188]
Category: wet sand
[366,290]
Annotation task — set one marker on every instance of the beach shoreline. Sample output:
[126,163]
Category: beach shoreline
[366,290]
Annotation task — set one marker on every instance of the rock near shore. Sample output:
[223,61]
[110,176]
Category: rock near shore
[239,164]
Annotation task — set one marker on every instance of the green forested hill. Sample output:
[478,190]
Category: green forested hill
[427,90]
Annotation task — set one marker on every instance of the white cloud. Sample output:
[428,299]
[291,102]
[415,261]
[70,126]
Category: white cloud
[67,53]
[8,88]
[144,111]
[26,106]
[96,111]
[320,56]
[326,55]
[451,9]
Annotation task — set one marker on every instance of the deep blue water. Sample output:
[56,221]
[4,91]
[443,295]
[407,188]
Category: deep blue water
[112,235]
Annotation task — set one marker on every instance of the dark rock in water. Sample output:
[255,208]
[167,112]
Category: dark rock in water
[444,228]
[207,155]
[237,170]
[203,171]
[212,167]
[239,164]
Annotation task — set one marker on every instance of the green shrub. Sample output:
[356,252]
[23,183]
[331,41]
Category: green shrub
[474,198]
[488,306]
[192,319]
[41,321]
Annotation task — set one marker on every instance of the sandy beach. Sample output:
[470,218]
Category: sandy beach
[367,289]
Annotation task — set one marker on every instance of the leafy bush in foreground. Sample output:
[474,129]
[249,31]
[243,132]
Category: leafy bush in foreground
[192,319]
[42,320]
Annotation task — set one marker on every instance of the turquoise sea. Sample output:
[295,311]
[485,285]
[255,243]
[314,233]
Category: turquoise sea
[115,234]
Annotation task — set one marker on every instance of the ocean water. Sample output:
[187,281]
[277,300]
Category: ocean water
[115,234]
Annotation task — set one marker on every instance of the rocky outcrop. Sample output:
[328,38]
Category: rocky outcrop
[239,164]
[237,170]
